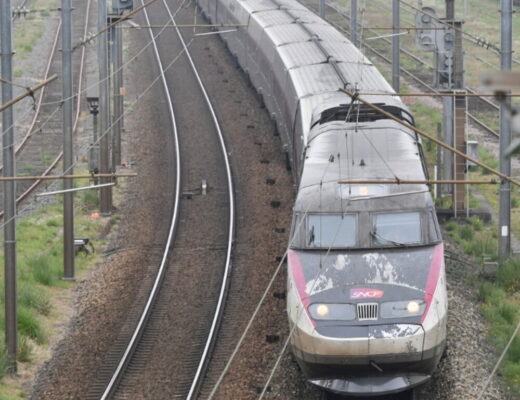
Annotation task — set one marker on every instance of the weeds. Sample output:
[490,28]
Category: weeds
[508,275]
[29,326]
[25,349]
[42,270]
[4,361]
[34,297]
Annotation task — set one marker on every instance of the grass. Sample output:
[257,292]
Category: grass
[39,272]
[500,307]
[27,36]
[30,28]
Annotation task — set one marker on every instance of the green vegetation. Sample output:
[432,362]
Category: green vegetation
[39,272]
[26,37]
[31,28]
[500,307]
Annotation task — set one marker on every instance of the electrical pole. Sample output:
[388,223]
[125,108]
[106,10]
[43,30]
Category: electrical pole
[450,10]
[104,132]
[353,22]
[68,166]
[115,33]
[395,46]
[448,110]
[9,187]
[322,8]
[504,223]
[122,84]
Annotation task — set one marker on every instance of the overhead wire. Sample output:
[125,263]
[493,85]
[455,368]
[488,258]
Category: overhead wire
[504,352]
[106,132]
[128,109]
[300,311]
[469,53]
[124,65]
[476,39]
[261,300]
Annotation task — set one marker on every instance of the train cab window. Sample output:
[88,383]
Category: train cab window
[331,231]
[396,229]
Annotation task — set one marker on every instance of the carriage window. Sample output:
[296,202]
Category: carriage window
[396,229]
[324,231]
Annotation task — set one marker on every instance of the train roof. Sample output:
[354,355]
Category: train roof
[318,59]
[389,151]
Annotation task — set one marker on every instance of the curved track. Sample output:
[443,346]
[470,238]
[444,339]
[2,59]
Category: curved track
[38,150]
[167,290]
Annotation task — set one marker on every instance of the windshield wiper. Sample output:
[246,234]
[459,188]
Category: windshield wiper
[311,236]
[379,237]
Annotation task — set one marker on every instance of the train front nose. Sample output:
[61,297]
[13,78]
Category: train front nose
[363,360]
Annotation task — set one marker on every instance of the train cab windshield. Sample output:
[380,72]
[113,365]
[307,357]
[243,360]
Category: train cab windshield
[331,231]
[366,230]
[397,229]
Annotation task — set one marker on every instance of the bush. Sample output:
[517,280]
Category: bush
[511,371]
[489,293]
[507,313]
[90,199]
[508,274]
[476,223]
[451,226]
[29,325]
[466,232]
[513,354]
[42,270]
[33,297]
[53,222]
[25,349]
[4,361]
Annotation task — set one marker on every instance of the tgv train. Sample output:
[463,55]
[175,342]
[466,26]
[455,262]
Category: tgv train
[366,299]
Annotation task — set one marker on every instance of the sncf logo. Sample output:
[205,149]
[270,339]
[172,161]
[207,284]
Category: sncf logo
[366,293]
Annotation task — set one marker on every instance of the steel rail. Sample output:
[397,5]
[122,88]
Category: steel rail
[411,74]
[215,325]
[55,162]
[109,391]
[40,97]
[134,340]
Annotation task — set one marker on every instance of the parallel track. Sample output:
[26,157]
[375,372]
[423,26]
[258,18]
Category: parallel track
[132,354]
[47,118]
[408,73]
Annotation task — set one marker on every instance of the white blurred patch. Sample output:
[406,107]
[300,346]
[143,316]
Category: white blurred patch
[318,285]
[340,262]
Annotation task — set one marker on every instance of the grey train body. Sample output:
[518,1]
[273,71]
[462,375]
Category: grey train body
[366,299]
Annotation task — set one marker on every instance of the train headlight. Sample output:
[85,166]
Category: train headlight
[322,310]
[329,312]
[413,307]
[400,309]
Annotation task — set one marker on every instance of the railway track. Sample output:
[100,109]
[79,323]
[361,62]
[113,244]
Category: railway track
[38,151]
[156,347]
[477,103]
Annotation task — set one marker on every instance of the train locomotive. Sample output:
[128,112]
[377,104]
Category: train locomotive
[366,300]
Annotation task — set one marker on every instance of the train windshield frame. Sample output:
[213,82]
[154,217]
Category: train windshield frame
[331,231]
